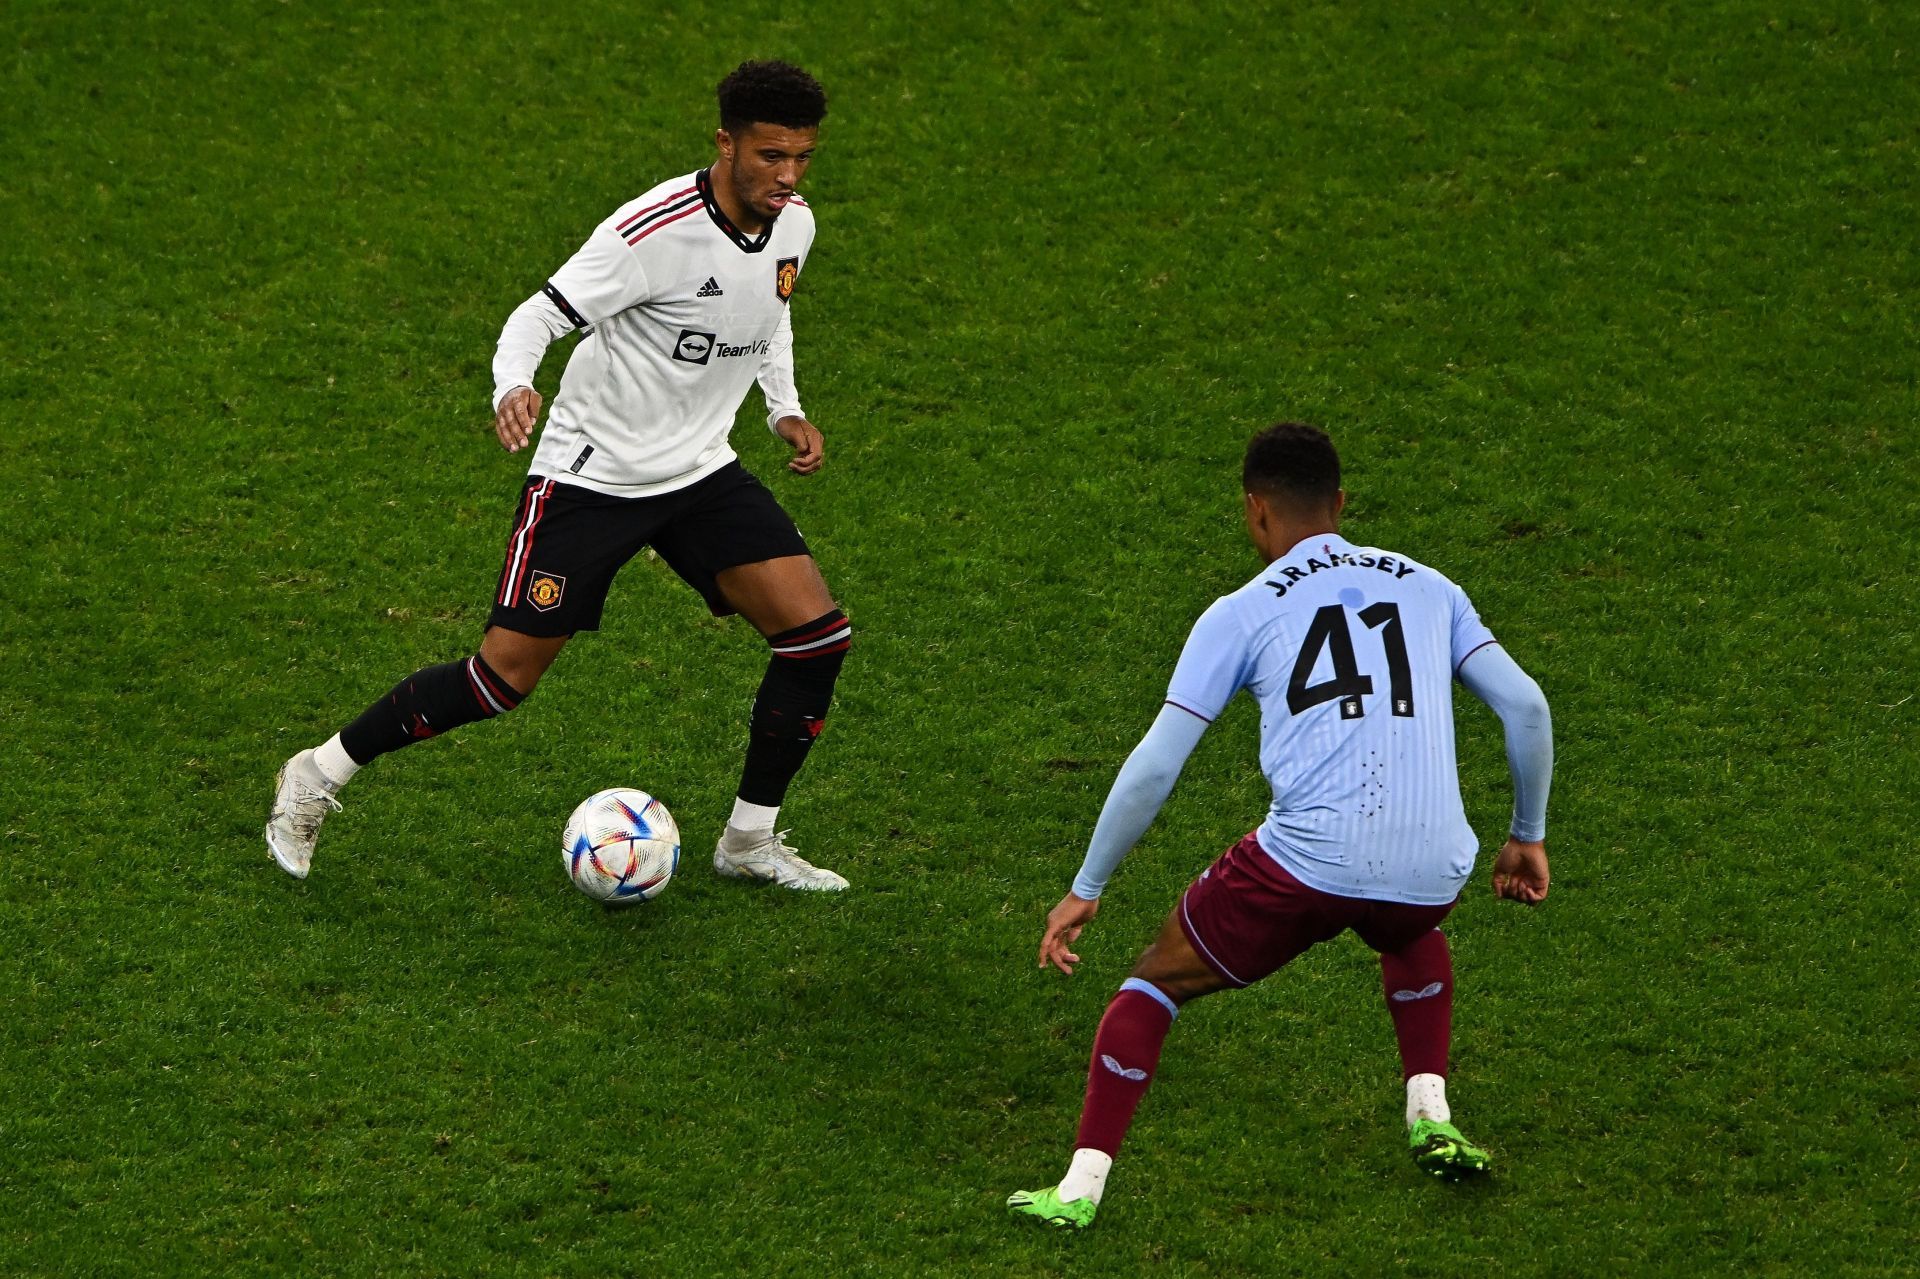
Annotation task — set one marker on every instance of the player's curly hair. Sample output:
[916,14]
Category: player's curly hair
[770,93]
[1294,463]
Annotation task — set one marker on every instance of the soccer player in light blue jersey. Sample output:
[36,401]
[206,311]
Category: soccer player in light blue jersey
[1351,652]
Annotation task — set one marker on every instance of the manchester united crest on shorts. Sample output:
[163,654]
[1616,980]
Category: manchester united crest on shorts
[786,273]
[545,589]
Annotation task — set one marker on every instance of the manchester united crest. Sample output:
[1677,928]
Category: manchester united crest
[545,590]
[786,273]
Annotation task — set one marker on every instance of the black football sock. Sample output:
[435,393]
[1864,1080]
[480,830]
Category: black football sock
[791,707]
[426,704]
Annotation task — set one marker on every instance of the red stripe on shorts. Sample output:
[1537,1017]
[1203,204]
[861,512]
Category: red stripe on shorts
[520,545]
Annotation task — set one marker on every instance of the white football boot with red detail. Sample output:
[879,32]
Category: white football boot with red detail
[766,856]
[301,799]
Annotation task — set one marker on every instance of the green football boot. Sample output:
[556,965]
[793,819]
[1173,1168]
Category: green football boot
[1046,1205]
[1439,1148]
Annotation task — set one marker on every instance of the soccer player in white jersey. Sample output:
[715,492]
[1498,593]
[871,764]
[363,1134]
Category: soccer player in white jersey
[1351,652]
[682,299]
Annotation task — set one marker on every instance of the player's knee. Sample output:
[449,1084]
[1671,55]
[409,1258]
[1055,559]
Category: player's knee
[1152,991]
[518,660]
[522,676]
[1177,991]
[1180,977]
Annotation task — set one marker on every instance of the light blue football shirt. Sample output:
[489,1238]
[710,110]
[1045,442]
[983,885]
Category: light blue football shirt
[1351,652]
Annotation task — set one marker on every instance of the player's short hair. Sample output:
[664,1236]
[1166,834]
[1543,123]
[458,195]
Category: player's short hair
[1293,463]
[770,93]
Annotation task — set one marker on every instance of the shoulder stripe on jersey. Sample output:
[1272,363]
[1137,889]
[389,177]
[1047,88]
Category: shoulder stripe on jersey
[566,308]
[653,221]
[657,223]
[641,213]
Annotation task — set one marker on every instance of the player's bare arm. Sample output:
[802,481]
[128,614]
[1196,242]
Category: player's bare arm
[514,420]
[1520,871]
[809,446]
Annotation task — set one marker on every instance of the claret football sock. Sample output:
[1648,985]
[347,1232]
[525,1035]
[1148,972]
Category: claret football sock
[1126,1051]
[1418,982]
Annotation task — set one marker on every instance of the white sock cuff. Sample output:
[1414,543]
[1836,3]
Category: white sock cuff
[753,817]
[1087,1176]
[1427,1095]
[331,758]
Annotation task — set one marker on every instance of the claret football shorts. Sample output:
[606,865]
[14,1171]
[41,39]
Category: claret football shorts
[1246,916]
[568,542]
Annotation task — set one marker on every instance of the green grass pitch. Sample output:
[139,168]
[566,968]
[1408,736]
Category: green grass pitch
[1611,309]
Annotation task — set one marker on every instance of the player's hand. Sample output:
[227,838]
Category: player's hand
[514,420]
[1064,923]
[808,445]
[1520,872]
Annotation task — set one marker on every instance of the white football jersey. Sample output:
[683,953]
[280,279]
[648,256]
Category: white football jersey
[680,312]
[1351,652]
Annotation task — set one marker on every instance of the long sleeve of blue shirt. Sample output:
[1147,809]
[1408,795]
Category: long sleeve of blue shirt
[1491,675]
[1144,783]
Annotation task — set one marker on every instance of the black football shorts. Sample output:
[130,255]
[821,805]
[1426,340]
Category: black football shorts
[568,542]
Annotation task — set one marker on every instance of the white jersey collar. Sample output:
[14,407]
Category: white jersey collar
[1313,540]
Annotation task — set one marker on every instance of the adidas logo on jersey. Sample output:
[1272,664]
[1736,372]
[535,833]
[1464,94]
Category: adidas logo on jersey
[711,289]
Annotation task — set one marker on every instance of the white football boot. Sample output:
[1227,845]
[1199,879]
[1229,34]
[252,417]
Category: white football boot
[300,803]
[767,857]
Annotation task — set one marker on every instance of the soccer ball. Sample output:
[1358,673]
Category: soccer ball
[620,845]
